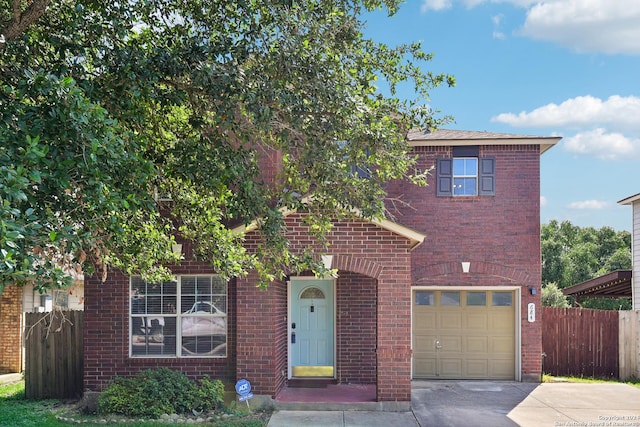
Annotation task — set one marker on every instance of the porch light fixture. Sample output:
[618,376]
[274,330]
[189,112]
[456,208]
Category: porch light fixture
[177,249]
[465,266]
[532,290]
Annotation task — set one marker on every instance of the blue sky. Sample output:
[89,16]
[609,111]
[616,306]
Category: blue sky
[569,68]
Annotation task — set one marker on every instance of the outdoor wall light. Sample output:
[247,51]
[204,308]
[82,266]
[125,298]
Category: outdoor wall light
[533,290]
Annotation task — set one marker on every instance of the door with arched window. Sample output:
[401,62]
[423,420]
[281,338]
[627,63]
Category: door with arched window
[311,328]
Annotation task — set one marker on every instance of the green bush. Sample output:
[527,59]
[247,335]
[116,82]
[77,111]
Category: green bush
[154,392]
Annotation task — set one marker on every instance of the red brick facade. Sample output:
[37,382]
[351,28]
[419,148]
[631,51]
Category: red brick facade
[498,235]
[10,330]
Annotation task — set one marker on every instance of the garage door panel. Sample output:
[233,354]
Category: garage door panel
[424,343]
[501,345]
[450,320]
[426,367]
[451,344]
[475,341]
[426,320]
[477,368]
[476,321]
[477,345]
[450,367]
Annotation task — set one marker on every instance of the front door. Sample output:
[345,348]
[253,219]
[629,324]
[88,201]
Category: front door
[311,328]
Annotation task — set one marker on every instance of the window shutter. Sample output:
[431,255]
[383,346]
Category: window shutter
[487,184]
[444,177]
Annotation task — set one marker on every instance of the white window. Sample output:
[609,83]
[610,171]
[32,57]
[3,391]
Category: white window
[182,318]
[465,176]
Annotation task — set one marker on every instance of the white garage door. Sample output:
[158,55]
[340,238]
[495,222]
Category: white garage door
[464,334]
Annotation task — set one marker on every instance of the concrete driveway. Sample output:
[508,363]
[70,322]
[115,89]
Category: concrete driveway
[490,404]
[498,404]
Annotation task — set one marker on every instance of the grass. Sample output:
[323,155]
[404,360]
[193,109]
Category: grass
[635,382]
[18,412]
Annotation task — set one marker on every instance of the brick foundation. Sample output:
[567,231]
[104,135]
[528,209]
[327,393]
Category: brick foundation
[11,330]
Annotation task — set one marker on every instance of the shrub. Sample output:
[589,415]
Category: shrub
[154,392]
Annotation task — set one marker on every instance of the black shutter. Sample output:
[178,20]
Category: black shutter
[444,177]
[487,178]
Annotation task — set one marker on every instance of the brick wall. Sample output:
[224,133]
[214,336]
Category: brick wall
[381,260]
[499,235]
[10,330]
[106,334]
[356,323]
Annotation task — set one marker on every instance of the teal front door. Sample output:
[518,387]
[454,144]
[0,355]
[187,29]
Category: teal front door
[311,328]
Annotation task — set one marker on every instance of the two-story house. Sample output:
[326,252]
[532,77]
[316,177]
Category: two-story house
[447,287]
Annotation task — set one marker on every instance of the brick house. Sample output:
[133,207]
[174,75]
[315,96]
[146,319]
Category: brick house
[449,288]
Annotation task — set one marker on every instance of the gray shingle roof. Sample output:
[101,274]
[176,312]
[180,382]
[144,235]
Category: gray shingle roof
[448,134]
[450,137]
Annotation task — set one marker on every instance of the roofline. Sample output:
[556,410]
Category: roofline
[599,282]
[545,142]
[629,200]
[415,238]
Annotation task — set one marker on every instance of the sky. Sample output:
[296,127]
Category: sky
[568,68]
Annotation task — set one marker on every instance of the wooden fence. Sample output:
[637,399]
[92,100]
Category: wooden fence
[629,342]
[53,354]
[580,342]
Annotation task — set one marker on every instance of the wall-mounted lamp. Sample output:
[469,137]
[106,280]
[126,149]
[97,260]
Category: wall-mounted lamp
[533,290]
[465,266]
[177,249]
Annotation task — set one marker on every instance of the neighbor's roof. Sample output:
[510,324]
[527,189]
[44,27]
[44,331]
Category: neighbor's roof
[629,200]
[419,138]
[613,285]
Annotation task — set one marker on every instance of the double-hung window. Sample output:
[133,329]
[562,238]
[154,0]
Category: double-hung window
[182,318]
[466,174]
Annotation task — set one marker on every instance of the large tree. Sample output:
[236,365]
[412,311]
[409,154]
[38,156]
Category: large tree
[572,254]
[106,105]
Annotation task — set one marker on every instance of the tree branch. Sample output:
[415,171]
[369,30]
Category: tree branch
[21,21]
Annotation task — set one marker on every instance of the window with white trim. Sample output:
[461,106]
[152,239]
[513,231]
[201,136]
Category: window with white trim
[182,318]
[466,173]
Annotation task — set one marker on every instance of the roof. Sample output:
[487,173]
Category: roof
[612,285]
[629,200]
[415,238]
[420,138]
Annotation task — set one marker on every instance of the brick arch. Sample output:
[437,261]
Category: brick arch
[357,265]
[429,272]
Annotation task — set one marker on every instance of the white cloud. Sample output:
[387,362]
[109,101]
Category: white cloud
[608,26]
[543,201]
[435,5]
[605,146]
[605,26]
[617,111]
[589,205]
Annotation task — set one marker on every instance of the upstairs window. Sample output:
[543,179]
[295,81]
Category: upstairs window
[466,174]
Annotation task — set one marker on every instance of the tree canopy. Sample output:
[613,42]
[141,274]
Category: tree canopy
[572,255]
[106,105]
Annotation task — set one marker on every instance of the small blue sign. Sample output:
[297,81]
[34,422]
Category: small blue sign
[243,388]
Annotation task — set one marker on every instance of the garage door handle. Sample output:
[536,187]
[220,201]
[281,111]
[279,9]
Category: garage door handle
[438,344]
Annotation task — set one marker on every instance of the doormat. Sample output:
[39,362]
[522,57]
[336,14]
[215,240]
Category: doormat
[309,383]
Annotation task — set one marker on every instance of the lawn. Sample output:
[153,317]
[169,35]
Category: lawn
[635,382]
[16,411]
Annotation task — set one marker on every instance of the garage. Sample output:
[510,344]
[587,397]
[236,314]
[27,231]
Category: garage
[464,334]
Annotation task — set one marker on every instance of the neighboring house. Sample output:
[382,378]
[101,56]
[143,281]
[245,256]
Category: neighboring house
[14,302]
[450,288]
[634,201]
[620,283]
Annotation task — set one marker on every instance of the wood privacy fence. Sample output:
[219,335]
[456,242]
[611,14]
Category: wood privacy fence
[53,354]
[591,343]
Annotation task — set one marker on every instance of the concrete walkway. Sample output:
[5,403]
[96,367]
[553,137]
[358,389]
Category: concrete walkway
[490,404]
[10,378]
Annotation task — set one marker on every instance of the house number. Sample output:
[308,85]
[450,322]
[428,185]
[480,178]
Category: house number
[531,312]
